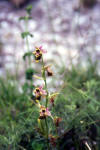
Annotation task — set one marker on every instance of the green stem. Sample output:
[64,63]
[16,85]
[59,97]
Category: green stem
[46,105]
[45,81]
[47,136]
[27,43]
[46,127]
[28,48]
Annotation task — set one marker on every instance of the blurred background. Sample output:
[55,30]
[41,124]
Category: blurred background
[70,31]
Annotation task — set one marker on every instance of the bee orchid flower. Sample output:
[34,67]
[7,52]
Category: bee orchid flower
[39,91]
[44,112]
[38,53]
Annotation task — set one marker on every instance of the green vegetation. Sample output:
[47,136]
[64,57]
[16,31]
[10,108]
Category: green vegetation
[78,105]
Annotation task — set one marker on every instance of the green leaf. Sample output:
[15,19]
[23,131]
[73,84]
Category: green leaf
[28,9]
[25,34]
[25,18]
[29,73]
[27,54]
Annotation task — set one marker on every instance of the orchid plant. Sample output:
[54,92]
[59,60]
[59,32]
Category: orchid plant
[40,96]
[41,93]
